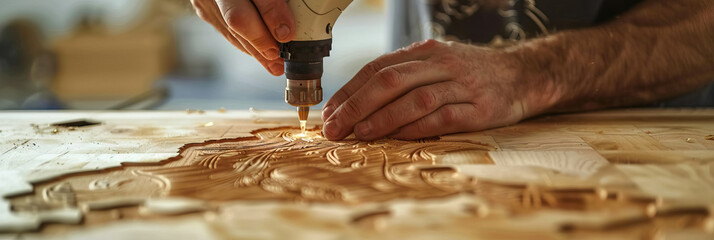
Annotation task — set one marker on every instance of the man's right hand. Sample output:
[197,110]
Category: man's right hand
[254,27]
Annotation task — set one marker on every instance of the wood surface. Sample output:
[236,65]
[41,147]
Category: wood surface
[626,174]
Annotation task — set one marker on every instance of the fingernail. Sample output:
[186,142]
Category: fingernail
[327,112]
[331,129]
[276,68]
[282,32]
[363,129]
[271,54]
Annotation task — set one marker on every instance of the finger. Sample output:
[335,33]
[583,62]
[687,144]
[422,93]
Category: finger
[415,105]
[386,86]
[242,17]
[213,15]
[275,67]
[208,11]
[414,52]
[447,119]
[278,18]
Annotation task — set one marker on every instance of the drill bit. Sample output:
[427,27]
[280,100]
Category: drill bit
[303,112]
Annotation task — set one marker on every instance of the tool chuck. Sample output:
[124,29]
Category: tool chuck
[303,55]
[303,70]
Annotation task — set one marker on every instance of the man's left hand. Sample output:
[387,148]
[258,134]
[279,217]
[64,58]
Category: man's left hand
[428,89]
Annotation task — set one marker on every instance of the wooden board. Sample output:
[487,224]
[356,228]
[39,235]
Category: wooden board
[625,174]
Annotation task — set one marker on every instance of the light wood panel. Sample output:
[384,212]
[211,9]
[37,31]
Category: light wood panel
[555,177]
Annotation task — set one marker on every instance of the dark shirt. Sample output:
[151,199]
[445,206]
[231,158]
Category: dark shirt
[457,20]
[465,21]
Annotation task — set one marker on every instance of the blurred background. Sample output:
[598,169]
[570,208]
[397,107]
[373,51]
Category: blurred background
[153,54]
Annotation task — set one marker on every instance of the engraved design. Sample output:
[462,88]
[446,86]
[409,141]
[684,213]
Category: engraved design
[277,165]
[273,165]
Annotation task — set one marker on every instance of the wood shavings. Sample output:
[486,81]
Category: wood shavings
[76,123]
[197,111]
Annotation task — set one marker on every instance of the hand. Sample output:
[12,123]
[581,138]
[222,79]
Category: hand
[254,27]
[429,89]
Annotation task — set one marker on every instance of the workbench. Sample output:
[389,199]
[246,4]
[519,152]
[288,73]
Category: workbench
[619,174]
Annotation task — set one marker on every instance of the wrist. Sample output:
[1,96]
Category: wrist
[534,65]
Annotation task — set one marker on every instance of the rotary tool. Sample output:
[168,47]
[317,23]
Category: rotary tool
[303,56]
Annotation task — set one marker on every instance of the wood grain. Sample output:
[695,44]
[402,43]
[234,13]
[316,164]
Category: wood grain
[579,163]
[614,174]
[624,142]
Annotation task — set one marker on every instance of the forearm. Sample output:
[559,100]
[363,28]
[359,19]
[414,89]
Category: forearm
[658,50]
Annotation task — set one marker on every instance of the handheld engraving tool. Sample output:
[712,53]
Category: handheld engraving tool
[303,56]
